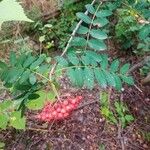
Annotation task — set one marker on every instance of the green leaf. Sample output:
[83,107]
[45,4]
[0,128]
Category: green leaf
[12,11]
[5,105]
[129,118]
[82,30]
[100,77]
[114,66]
[38,61]
[12,58]
[37,100]
[84,17]
[16,75]
[144,32]
[78,41]
[72,57]
[97,45]
[118,82]
[89,78]
[104,62]
[3,121]
[85,60]
[110,79]
[100,22]
[30,59]
[72,75]
[3,65]
[62,62]
[98,34]
[124,69]
[2,145]
[43,69]
[103,13]
[25,76]
[128,80]
[94,56]
[90,8]
[32,79]
[79,75]
[17,121]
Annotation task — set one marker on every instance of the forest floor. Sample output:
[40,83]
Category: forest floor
[86,128]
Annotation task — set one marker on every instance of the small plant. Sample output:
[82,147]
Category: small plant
[117,114]
[2,145]
[32,79]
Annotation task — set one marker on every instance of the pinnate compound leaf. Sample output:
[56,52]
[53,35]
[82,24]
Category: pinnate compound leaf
[97,45]
[84,17]
[11,10]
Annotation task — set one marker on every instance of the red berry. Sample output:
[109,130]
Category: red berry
[65,102]
[68,108]
[54,113]
[58,109]
[59,116]
[63,111]
[73,101]
[66,115]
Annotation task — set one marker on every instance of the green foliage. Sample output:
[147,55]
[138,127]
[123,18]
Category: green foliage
[133,27]
[27,75]
[2,145]
[11,10]
[118,114]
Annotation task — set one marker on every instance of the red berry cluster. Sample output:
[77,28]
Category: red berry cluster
[59,110]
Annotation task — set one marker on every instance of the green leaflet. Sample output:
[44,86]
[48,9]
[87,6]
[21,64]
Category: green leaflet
[78,41]
[12,58]
[124,69]
[98,34]
[90,8]
[84,17]
[114,66]
[72,57]
[129,80]
[104,62]
[94,56]
[61,61]
[89,78]
[30,59]
[110,79]
[38,61]
[103,13]
[82,30]
[32,79]
[25,76]
[117,79]
[100,77]
[100,22]
[97,45]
